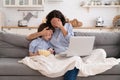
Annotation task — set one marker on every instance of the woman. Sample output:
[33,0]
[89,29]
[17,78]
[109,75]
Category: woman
[60,38]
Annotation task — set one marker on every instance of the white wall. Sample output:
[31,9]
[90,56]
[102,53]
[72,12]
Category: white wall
[70,8]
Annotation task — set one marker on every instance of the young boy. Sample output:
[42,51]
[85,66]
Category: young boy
[41,45]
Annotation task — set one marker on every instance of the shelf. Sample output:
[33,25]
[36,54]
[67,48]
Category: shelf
[23,3]
[15,27]
[30,30]
[100,6]
[95,28]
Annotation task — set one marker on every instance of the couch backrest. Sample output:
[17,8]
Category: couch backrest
[13,45]
[16,46]
[110,41]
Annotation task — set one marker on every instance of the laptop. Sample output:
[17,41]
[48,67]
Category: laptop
[79,46]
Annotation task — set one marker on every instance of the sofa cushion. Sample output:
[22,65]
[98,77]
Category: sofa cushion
[115,70]
[111,50]
[13,52]
[103,38]
[9,50]
[1,35]
[13,45]
[110,41]
[15,39]
[10,66]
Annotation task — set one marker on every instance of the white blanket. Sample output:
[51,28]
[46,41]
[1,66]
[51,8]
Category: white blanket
[55,66]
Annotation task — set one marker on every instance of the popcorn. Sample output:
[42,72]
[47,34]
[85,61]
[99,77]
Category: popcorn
[44,52]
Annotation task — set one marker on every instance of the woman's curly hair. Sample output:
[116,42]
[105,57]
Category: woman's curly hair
[55,14]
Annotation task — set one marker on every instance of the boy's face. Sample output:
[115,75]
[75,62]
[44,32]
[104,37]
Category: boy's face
[48,37]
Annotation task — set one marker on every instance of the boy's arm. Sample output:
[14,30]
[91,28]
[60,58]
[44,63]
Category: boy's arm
[32,54]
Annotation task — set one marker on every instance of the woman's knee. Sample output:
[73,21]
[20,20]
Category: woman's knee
[100,52]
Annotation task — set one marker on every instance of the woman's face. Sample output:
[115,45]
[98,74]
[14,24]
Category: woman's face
[54,22]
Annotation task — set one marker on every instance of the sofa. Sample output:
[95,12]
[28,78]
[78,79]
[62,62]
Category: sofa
[14,47]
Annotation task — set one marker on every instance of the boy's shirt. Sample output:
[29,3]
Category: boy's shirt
[39,43]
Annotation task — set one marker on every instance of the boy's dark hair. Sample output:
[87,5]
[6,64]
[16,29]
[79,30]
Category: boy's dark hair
[55,14]
[42,26]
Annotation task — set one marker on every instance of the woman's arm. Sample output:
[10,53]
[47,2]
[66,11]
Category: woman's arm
[63,31]
[37,34]
[34,35]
